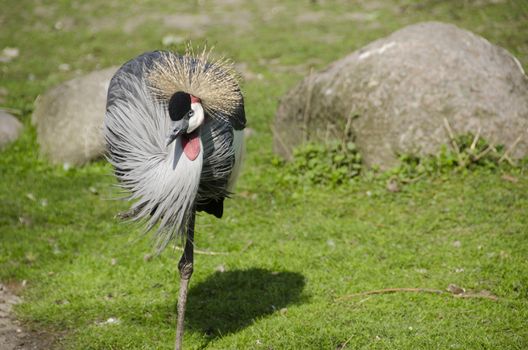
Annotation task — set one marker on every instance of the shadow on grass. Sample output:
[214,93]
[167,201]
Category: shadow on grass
[229,301]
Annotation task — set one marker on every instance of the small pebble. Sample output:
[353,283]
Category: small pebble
[172,40]
[453,288]
[64,67]
[393,186]
[112,320]
[8,54]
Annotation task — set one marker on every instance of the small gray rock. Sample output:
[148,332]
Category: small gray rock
[69,119]
[10,128]
[395,93]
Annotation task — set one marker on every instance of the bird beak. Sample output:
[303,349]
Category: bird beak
[178,127]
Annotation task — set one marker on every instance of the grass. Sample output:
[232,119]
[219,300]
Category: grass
[291,252]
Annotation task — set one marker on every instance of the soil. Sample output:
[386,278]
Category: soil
[13,336]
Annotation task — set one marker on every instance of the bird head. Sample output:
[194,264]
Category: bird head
[186,113]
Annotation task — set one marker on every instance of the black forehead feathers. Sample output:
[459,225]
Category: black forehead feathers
[179,105]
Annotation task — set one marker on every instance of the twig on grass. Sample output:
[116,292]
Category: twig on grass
[306,115]
[347,136]
[392,290]
[475,140]
[284,145]
[486,151]
[11,110]
[509,150]
[203,252]
[342,346]
[246,247]
[479,295]
[454,144]
[452,138]
[413,180]
[208,252]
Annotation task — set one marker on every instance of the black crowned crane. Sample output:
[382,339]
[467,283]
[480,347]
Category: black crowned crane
[174,133]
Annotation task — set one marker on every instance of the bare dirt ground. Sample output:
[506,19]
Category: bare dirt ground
[12,335]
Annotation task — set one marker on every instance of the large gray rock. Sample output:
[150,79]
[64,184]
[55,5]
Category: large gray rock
[10,128]
[69,118]
[396,92]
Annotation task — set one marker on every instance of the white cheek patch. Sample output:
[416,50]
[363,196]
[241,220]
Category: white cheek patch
[198,117]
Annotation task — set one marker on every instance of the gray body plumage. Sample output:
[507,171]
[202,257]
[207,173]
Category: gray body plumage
[164,184]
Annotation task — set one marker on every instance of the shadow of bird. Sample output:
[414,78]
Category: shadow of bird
[227,302]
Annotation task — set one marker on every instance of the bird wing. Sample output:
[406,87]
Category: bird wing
[223,137]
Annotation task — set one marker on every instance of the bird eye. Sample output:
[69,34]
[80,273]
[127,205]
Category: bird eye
[191,113]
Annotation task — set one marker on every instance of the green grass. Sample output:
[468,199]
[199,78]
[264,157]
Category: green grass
[292,253]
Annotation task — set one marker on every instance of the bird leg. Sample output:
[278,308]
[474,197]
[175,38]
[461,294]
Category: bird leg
[186,269]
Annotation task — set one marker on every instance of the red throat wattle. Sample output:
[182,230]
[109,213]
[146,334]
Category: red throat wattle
[191,142]
[191,145]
